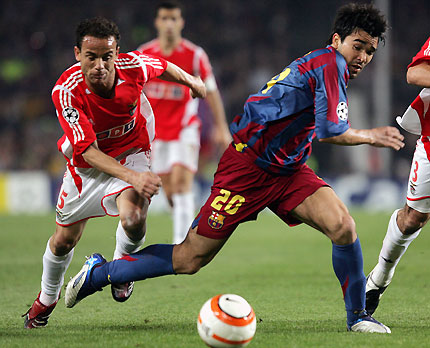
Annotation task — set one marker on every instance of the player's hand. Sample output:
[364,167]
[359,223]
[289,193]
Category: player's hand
[147,184]
[387,137]
[198,88]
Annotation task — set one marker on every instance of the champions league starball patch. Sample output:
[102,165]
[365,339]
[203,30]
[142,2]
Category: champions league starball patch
[342,111]
[71,115]
[216,220]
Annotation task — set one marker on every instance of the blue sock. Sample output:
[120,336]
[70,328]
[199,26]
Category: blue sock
[348,266]
[153,261]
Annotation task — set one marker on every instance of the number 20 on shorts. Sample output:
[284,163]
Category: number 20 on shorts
[224,202]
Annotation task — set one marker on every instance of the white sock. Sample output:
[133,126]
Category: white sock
[54,268]
[124,245]
[183,214]
[394,246]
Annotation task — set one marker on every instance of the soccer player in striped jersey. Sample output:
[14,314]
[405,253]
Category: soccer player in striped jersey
[108,127]
[405,224]
[265,168]
[175,150]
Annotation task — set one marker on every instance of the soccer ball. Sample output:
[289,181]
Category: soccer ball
[226,320]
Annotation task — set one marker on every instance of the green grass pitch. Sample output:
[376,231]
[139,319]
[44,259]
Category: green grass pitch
[285,273]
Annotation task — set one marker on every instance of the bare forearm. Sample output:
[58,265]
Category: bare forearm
[419,75]
[215,103]
[173,73]
[145,183]
[380,137]
[107,164]
[351,137]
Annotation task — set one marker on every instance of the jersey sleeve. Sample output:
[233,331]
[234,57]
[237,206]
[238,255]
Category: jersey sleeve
[331,103]
[73,120]
[422,56]
[152,66]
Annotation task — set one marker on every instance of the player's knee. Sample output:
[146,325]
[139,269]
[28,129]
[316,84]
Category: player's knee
[134,224]
[194,265]
[61,245]
[342,230]
[412,220]
[188,261]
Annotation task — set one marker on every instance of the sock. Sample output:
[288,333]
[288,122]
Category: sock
[348,266]
[183,214]
[153,261]
[124,245]
[394,246]
[54,268]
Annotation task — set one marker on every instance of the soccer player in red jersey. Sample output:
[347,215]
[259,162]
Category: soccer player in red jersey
[108,125]
[175,150]
[405,224]
[265,168]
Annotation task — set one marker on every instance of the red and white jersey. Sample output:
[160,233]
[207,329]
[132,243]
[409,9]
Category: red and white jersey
[422,55]
[172,104]
[121,124]
[416,118]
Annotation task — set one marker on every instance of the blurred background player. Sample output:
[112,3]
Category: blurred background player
[265,168]
[108,127]
[405,224]
[175,150]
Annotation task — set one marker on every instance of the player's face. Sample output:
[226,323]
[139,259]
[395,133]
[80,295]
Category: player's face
[169,23]
[357,48]
[97,57]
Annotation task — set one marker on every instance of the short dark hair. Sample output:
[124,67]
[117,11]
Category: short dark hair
[169,5]
[352,17]
[99,27]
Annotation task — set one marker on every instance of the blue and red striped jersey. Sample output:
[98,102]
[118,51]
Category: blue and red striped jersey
[307,99]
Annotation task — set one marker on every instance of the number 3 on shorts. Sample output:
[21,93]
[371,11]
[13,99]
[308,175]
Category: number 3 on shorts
[233,204]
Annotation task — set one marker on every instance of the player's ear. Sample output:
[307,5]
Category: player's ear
[335,40]
[77,53]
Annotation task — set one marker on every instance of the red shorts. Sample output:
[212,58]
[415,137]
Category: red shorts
[241,190]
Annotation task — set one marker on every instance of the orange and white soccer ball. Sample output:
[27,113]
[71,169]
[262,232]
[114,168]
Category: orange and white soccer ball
[226,320]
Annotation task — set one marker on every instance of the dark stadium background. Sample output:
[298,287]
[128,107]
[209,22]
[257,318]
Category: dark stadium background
[248,41]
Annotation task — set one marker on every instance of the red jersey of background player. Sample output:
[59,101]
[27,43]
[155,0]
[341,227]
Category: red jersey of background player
[172,104]
[416,118]
[422,55]
[122,124]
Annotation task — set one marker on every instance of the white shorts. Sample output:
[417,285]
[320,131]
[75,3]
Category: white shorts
[184,152]
[418,196]
[90,193]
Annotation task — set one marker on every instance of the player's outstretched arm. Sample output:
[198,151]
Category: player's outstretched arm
[174,73]
[419,75]
[146,184]
[379,137]
[221,134]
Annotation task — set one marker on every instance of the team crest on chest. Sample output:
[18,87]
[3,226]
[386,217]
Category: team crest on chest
[216,220]
[342,111]
[133,107]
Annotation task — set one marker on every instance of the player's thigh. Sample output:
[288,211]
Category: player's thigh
[195,252]
[132,208]
[325,211]
[66,237]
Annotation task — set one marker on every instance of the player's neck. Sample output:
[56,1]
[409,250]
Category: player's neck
[168,45]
